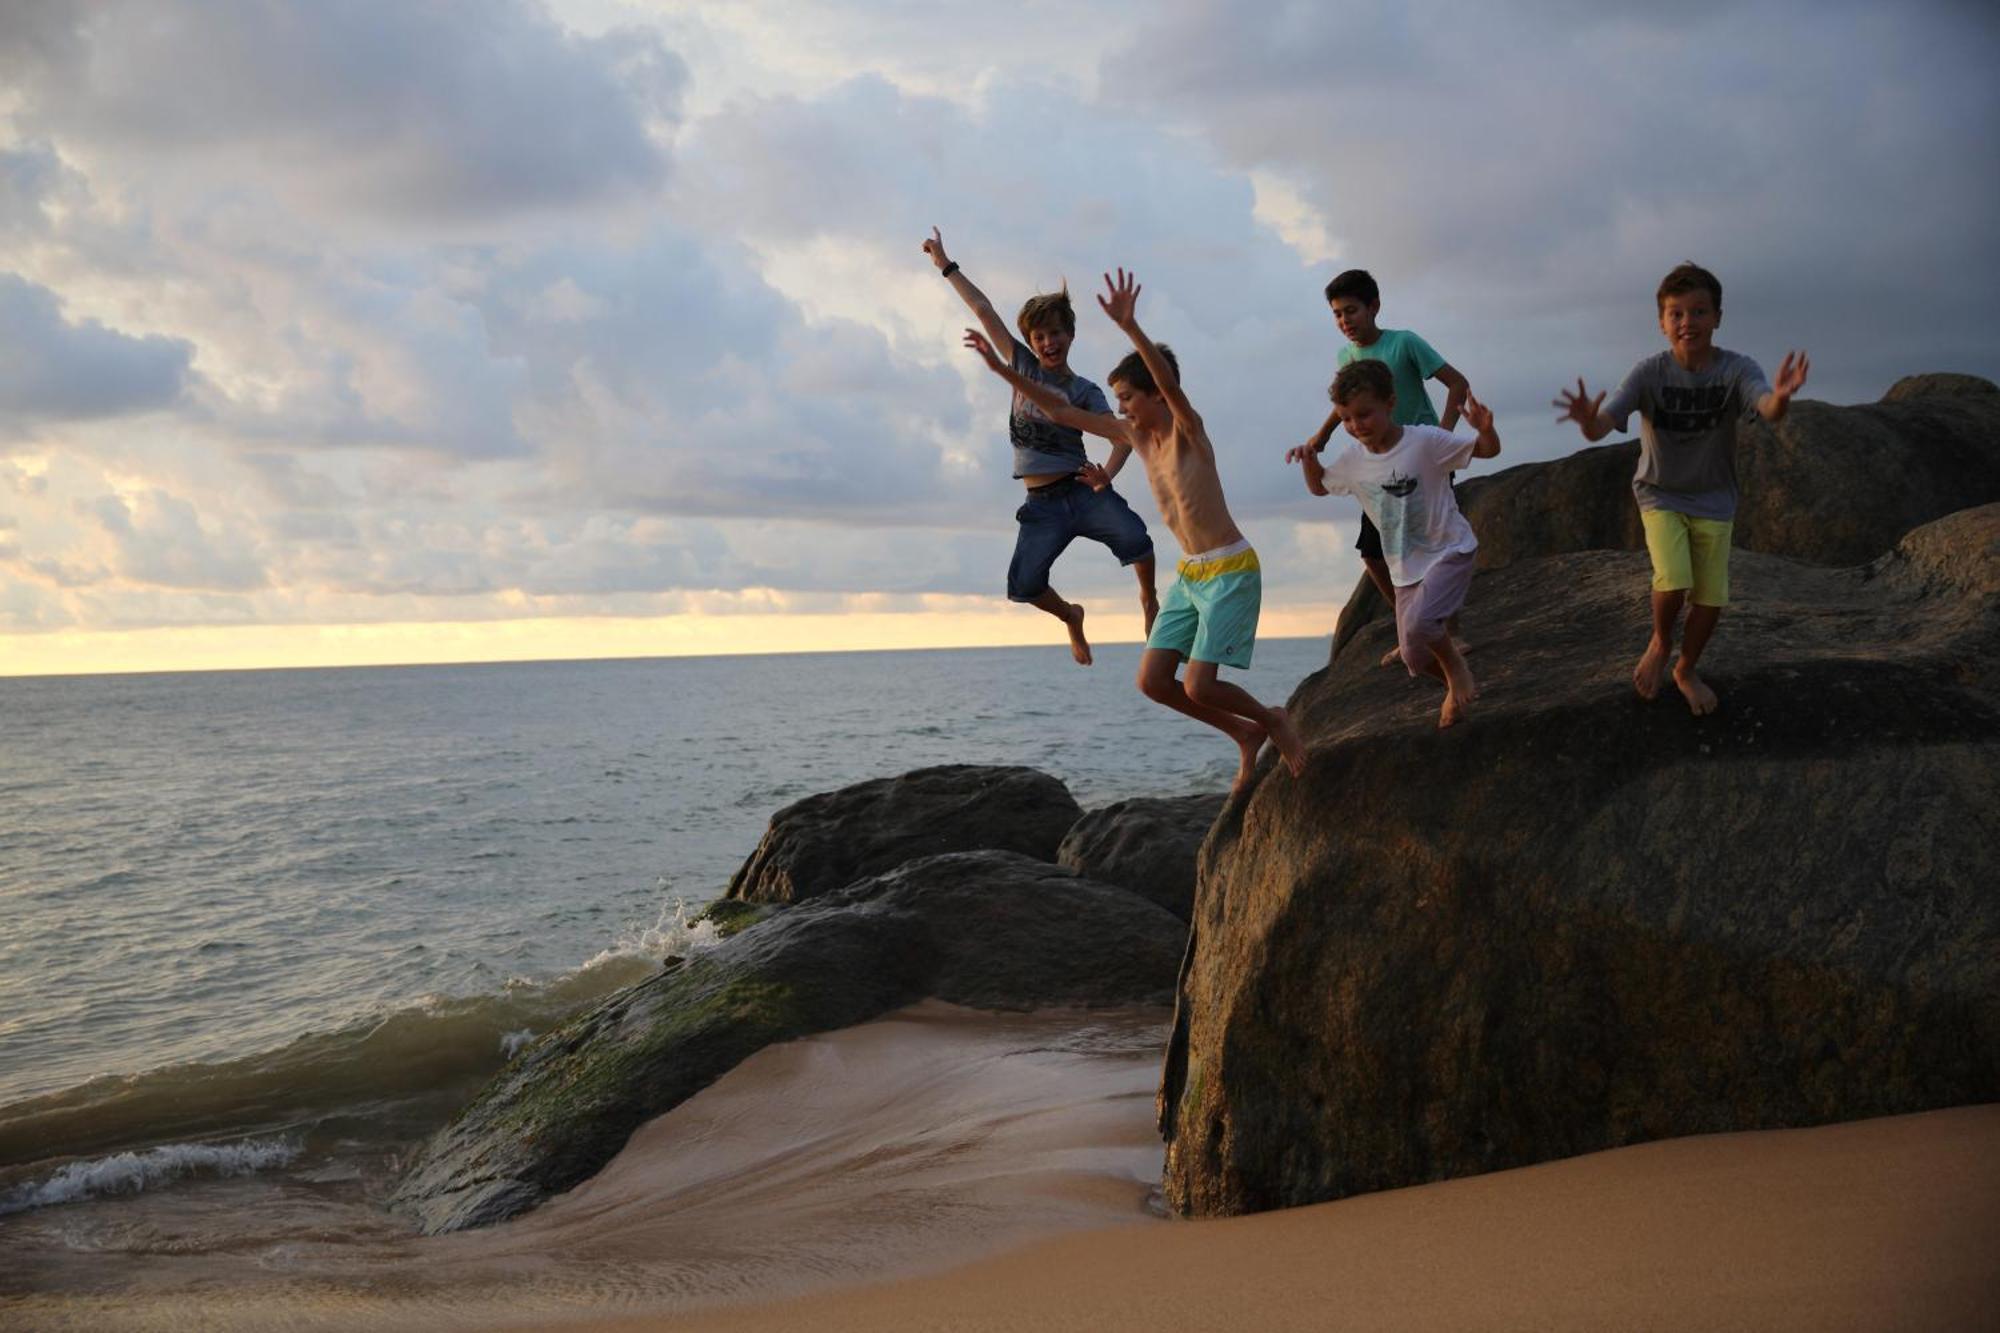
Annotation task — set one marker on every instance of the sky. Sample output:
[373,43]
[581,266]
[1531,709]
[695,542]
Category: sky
[399,331]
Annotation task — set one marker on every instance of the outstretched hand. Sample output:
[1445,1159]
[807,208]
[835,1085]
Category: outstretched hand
[1579,407]
[1121,298]
[1298,453]
[1478,415]
[934,247]
[978,343]
[1791,375]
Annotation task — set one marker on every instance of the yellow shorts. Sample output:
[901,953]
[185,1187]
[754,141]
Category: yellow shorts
[1689,553]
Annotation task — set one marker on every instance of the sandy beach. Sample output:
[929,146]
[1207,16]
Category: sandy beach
[1884,1224]
[946,1169]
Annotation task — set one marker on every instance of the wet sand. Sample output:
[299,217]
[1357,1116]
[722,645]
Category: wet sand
[944,1169]
[1889,1224]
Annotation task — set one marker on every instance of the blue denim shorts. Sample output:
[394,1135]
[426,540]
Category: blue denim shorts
[1056,515]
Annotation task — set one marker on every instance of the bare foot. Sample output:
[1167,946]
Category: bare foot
[1651,670]
[1249,743]
[1459,686]
[1453,711]
[1394,657]
[1079,647]
[1701,699]
[1151,606]
[1286,737]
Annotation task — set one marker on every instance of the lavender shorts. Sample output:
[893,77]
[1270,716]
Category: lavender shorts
[1423,608]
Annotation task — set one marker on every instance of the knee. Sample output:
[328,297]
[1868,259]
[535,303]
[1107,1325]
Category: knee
[1201,689]
[1157,687]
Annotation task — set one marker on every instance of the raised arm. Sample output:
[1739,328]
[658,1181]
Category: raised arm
[1480,417]
[1456,391]
[1791,378]
[1586,412]
[1056,407]
[1121,302]
[975,300]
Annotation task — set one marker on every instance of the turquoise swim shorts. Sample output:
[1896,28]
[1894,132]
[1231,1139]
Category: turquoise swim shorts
[1210,614]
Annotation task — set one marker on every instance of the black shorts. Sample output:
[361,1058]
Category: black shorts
[1369,543]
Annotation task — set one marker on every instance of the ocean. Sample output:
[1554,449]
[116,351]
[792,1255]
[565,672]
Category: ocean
[282,923]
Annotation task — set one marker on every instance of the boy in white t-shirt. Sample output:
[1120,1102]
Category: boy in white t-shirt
[1402,476]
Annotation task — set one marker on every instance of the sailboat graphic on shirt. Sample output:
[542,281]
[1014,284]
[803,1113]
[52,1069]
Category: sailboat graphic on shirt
[1394,522]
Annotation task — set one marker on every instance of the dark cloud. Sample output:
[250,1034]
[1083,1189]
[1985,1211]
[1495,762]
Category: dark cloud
[53,369]
[454,109]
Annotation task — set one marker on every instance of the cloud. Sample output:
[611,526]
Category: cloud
[454,110]
[55,369]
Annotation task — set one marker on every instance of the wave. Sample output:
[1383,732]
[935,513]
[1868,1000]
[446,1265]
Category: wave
[132,1172]
[392,1077]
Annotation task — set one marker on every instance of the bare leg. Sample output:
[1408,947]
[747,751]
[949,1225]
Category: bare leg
[1379,577]
[1149,595]
[1204,688]
[1651,670]
[1700,624]
[1459,687]
[1071,615]
[1156,682]
[1457,639]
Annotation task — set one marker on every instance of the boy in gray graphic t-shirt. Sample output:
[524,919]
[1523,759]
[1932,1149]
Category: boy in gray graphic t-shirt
[1689,399]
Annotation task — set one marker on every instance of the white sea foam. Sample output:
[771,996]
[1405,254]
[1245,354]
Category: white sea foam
[132,1172]
[511,1043]
[673,933]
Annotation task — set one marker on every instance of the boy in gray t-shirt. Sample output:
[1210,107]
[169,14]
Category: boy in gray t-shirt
[1689,399]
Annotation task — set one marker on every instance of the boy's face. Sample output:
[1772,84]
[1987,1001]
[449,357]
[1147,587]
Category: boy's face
[1689,321]
[1148,410]
[1356,318]
[1369,419]
[1050,344]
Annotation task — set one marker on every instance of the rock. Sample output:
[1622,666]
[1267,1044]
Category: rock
[828,841]
[1937,382]
[990,929]
[1581,920]
[1830,485]
[1147,844]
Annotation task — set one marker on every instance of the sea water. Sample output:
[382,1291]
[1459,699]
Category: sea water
[251,921]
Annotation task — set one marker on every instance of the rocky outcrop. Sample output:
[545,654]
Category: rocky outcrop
[1147,844]
[990,929]
[828,841]
[1829,485]
[1582,920]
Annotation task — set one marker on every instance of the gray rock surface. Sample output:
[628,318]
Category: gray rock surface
[989,929]
[1147,844]
[828,841]
[1581,920]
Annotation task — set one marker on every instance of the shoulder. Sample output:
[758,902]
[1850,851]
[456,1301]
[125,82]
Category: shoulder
[1346,355]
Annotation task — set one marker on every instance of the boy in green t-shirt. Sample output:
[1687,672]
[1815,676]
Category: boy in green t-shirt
[1356,301]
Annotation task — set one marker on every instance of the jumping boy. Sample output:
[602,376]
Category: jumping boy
[1210,615]
[1689,399]
[1402,476]
[1049,459]
[1356,301]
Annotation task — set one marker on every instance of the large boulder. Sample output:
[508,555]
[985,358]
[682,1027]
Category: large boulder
[1829,485]
[828,841]
[1581,920]
[1147,844]
[993,930]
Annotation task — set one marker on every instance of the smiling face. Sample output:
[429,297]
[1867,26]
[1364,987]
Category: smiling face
[1050,344]
[1142,408]
[1370,419]
[1689,319]
[1356,318]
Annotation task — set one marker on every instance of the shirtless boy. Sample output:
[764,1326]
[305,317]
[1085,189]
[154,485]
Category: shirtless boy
[1689,399]
[1061,504]
[1210,615]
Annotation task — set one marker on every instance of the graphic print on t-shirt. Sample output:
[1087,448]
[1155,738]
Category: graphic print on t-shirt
[1397,498]
[1697,408]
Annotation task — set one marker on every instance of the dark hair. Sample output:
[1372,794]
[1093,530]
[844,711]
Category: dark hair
[1132,370]
[1687,276]
[1048,308]
[1356,283]
[1364,376]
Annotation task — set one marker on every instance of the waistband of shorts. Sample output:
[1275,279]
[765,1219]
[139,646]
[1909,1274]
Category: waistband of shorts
[1056,487]
[1234,558]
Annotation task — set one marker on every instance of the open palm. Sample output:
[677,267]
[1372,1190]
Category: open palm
[1121,298]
